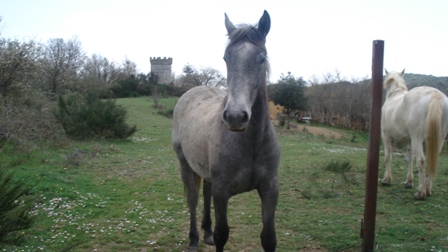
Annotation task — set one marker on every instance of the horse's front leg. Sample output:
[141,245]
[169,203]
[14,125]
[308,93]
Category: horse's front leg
[410,176]
[206,218]
[220,203]
[269,197]
[387,141]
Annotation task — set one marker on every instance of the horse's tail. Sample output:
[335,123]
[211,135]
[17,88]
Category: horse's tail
[197,181]
[433,131]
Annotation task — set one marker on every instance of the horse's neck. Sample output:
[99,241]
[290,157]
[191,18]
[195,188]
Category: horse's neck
[396,92]
[260,109]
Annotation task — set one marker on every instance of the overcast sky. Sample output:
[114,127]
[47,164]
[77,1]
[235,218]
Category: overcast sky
[308,37]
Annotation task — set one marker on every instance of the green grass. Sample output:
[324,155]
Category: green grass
[127,195]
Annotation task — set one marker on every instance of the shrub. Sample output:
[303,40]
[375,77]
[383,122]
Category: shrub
[166,112]
[15,209]
[28,121]
[88,117]
[340,167]
[126,88]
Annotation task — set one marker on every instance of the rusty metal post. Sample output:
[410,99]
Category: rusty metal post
[368,229]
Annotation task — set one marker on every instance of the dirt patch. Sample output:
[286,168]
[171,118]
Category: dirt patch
[316,131]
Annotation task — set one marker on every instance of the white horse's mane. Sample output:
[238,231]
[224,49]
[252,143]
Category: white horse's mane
[394,83]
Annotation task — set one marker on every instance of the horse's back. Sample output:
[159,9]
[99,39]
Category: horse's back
[197,102]
[405,116]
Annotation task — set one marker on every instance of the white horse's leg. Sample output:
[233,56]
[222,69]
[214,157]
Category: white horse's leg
[410,177]
[387,141]
[417,148]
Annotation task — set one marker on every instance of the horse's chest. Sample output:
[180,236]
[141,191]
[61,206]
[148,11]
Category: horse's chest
[243,173]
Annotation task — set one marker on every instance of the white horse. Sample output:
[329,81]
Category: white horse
[414,117]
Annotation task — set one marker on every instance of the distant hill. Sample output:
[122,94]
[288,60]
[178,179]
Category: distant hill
[415,80]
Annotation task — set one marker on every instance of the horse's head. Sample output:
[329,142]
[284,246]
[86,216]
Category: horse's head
[247,66]
[394,82]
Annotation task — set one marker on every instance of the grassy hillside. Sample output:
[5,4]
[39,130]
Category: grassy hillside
[128,196]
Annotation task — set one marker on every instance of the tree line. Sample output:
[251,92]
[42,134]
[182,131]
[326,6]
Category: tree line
[61,67]
[56,67]
[334,100]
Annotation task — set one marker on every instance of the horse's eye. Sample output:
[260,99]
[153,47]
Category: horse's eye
[261,59]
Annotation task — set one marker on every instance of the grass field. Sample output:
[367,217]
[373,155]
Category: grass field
[128,196]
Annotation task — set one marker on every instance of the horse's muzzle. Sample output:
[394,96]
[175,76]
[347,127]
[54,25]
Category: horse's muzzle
[236,121]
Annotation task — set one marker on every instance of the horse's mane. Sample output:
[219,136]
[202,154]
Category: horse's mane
[249,33]
[394,83]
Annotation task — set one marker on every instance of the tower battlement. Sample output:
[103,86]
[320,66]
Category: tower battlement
[160,61]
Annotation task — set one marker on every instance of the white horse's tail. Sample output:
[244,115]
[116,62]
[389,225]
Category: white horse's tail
[433,131]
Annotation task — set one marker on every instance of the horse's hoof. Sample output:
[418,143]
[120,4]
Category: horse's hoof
[385,182]
[193,249]
[408,185]
[209,240]
[419,196]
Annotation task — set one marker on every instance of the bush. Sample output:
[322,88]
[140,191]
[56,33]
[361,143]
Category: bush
[166,112]
[126,88]
[15,209]
[28,121]
[340,167]
[88,117]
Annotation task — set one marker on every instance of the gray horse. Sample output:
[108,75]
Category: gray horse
[227,138]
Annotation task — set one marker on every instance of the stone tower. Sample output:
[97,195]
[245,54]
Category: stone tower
[162,68]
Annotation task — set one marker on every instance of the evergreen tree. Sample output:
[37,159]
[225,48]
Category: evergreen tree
[289,92]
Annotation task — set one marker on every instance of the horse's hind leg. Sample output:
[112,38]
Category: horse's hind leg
[387,141]
[410,176]
[206,218]
[190,179]
[420,158]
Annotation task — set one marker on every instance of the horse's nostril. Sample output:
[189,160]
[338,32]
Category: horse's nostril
[224,115]
[245,117]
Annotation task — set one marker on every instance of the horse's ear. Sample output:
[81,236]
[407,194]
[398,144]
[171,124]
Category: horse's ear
[402,73]
[387,72]
[229,25]
[264,25]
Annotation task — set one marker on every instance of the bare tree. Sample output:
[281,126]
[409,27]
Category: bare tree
[209,76]
[17,63]
[334,100]
[63,63]
[128,68]
[206,76]
[101,69]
